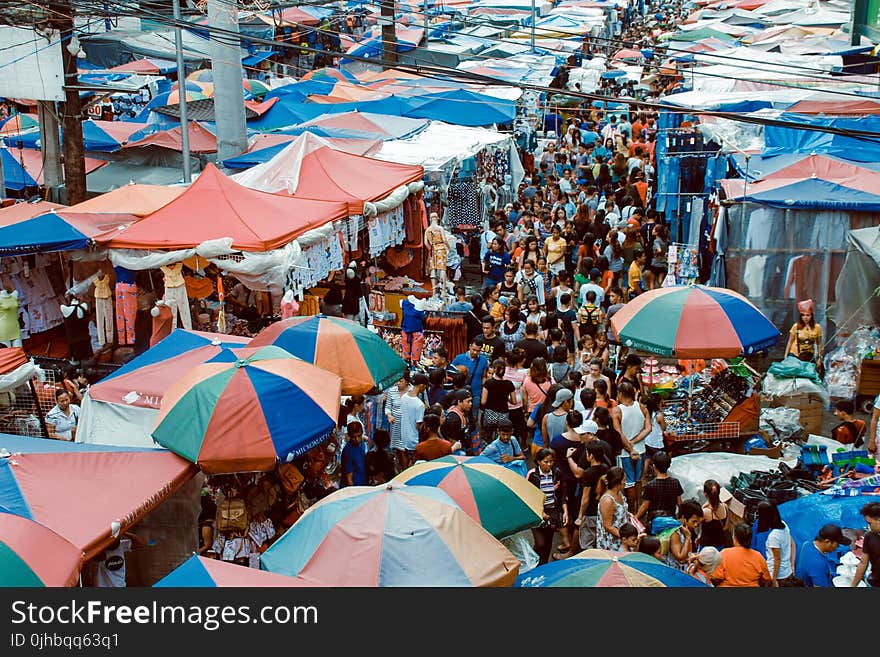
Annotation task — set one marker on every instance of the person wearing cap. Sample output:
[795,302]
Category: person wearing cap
[457,424]
[805,336]
[504,450]
[554,422]
[567,446]
[816,564]
[704,564]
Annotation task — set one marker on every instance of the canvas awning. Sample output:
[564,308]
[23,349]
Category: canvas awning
[216,207]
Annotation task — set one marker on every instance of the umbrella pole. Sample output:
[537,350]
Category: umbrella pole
[690,388]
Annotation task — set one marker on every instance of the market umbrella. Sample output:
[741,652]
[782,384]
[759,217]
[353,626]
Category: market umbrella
[606,569]
[362,358]
[694,321]
[614,73]
[256,88]
[628,53]
[201,75]
[247,408]
[201,572]
[502,501]
[390,535]
[34,556]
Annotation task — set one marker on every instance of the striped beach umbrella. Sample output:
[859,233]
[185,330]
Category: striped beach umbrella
[502,501]
[606,569]
[247,408]
[694,321]
[201,572]
[360,357]
[32,555]
[390,535]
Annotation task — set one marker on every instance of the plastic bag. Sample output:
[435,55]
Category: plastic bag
[792,367]
[781,422]
[841,373]
[520,546]
[772,386]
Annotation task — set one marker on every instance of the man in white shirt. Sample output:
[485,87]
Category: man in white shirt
[412,412]
[62,419]
[595,277]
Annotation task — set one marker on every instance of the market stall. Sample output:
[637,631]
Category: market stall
[695,322]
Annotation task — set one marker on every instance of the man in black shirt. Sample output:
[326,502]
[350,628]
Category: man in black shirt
[457,425]
[662,495]
[491,344]
[531,345]
[593,467]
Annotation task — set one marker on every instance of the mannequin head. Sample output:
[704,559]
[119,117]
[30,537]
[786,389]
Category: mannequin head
[435,219]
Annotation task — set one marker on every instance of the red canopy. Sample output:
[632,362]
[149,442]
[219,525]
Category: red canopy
[841,107]
[309,169]
[215,206]
[11,359]
[200,140]
[18,212]
[137,66]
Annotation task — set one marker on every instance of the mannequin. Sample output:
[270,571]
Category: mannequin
[163,319]
[76,326]
[353,299]
[435,238]
[103,308]
[126,305]
[289,305]
[10,329]
[175,291]
[412,329]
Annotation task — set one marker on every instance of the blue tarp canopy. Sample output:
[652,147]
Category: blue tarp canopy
[462,107]
[94,138]
[781,140]
[806,515]
[255,58]
[15,176]
[47,232]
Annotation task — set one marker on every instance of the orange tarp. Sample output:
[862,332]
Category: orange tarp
[200,140]
[215,206]
[139,200]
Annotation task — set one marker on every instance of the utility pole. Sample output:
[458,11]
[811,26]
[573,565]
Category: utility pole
[389,36]
[533,27]
[71,113]
[181,93]
[228,87]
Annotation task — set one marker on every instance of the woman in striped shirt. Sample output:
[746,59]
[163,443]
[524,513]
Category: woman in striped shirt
[544,476]
[392,409]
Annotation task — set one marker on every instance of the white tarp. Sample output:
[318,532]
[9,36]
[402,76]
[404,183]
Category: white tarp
[103,423]
[692,470]
[438,145]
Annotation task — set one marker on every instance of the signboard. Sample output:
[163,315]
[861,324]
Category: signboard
[31,67]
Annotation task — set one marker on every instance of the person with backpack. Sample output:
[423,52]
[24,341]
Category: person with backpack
[590,316]
[457,425]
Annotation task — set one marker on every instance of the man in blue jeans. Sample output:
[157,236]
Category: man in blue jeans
[815,563]
[477,365]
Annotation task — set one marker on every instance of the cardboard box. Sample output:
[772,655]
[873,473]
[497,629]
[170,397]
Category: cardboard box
[811,407]
[737,509]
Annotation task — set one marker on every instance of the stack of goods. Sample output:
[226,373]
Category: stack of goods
[659,378]
[708,402]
